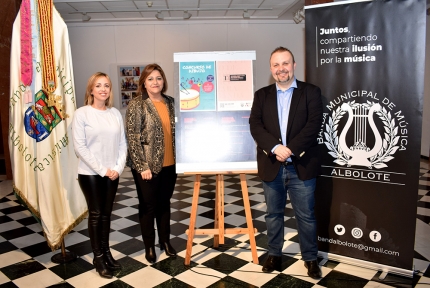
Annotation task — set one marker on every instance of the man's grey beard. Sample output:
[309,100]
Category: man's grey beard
[286,80]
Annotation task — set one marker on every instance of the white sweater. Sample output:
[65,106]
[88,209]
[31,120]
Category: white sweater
[99,140]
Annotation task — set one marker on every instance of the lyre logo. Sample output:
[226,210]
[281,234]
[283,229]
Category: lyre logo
[368,148]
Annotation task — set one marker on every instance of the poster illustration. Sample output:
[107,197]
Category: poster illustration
[197,86]
[234,85]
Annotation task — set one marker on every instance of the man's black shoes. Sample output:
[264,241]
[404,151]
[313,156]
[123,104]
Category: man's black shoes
[272,263]
[314,270]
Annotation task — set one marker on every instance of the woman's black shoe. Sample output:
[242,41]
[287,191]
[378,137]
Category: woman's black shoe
[111,263]
[170,251]
[101,267]
[150,254]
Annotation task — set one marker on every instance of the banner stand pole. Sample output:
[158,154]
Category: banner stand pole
[385,269]
[64,256]
[219,230]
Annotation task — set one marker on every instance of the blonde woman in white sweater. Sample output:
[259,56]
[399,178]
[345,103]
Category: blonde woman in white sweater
[100,144]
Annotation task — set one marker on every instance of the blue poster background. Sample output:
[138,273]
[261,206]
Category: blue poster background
[194,75]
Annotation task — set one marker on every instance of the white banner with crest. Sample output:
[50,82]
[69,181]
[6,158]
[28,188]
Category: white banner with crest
[43,160]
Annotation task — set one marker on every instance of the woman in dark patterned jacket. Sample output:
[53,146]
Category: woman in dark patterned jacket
[150,130]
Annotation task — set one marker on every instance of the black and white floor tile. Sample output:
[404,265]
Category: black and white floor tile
[25,259]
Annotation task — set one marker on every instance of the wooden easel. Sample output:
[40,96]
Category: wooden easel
[219,230]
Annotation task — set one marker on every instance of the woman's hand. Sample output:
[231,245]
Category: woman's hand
[146,175]
[112,174]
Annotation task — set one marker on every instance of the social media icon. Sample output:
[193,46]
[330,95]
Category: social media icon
[375,236]
[339,229]
[356,233]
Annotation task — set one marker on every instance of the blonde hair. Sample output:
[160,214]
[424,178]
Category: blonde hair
[89,98]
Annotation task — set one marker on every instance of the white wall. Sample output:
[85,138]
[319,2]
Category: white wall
[101,47]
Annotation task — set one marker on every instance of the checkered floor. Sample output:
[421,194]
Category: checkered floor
[25,259]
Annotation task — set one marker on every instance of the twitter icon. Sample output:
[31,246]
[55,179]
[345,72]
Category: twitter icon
[339,229]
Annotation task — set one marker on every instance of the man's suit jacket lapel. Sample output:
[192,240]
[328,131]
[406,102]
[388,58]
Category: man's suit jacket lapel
[272,101]
[295,99]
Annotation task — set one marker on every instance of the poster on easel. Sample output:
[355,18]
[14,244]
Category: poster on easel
[234,89]
[214,93]
[358,53]
[197,86]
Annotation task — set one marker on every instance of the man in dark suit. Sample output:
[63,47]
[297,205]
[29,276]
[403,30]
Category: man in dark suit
[284,122]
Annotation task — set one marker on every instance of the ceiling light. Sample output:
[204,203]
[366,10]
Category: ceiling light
[297,19]
[149,4]
[159,15]
[246,14]
[299,15]
[302,12]
[85,17]
[187,15]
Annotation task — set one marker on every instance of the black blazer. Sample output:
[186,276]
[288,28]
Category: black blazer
[304,122]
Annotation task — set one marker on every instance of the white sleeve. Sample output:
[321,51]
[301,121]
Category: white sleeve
[80,144]
[122,152]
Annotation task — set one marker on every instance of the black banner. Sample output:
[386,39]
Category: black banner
[368,59]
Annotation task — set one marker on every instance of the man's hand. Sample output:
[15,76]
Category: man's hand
[282,153]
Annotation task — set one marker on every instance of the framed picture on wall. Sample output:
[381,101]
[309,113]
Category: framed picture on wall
[128,80]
